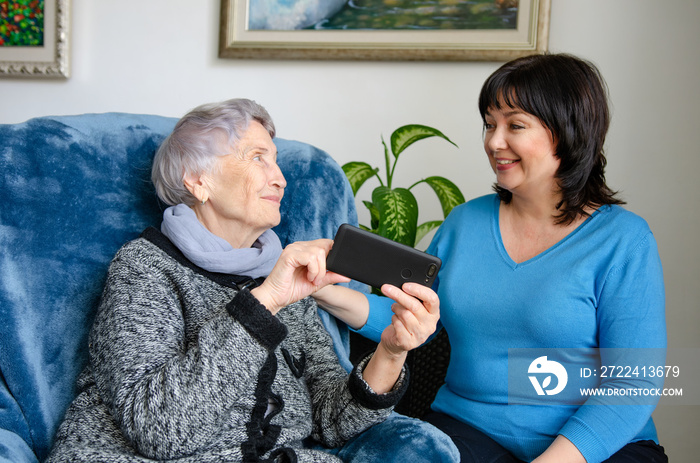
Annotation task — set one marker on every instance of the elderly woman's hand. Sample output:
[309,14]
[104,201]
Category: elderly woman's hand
[299,272]
[416,313]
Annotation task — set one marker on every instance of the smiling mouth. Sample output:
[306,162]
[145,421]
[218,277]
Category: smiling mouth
[274,199]
[503,162]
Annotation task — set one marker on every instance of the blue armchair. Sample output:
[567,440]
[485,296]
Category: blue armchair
[73,189]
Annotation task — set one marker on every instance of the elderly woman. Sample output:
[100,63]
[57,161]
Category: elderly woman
[549,265]
[206,346]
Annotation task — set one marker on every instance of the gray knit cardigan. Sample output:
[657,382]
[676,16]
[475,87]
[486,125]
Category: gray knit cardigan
[187,366]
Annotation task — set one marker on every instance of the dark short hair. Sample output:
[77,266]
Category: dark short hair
[569,97]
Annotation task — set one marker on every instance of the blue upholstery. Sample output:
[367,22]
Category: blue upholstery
[73,189]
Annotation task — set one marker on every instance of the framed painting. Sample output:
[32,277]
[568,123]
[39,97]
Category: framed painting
[412,30]
[34,38]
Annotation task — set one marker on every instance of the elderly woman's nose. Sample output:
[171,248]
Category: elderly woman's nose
[277,177]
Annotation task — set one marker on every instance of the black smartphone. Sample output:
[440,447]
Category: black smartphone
[375,260]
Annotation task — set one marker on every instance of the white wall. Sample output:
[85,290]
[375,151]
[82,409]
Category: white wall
[160,56]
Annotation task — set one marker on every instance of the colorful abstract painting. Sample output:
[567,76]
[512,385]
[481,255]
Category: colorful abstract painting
[22,23]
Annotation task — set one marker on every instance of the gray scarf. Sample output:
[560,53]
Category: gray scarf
[215,254]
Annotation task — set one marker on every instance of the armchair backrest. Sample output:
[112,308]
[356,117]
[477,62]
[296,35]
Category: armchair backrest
[73,189]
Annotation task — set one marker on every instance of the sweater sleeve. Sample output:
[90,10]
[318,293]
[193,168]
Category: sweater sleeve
[632,331]
[343,405]
[170,392]
[379,317]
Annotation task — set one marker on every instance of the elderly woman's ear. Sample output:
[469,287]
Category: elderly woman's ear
[196,184]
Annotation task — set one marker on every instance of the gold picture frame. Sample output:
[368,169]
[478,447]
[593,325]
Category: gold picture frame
[51,60]
[530,36]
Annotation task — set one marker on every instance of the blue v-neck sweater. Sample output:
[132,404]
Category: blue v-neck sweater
[600,287]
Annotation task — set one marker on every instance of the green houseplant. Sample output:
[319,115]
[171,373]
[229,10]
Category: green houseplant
[394,211]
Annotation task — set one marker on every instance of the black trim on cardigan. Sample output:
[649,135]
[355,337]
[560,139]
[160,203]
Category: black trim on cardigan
[256,319]
[361,391]
[296,365]
[283,455]
[262,435]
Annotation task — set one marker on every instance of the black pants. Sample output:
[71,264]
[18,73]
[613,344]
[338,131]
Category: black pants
[476,447]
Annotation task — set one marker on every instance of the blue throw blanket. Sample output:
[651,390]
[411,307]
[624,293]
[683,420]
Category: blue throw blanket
[73,189]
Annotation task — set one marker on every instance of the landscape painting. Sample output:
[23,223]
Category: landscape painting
[382,14]
[446,30]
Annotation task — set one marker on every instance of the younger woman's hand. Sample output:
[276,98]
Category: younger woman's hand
[416,313]
[299,272]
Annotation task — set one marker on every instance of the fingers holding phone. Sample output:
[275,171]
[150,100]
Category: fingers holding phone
[299,272]
[416,313]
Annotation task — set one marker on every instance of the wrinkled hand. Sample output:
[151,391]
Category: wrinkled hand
[299,272]
[416,313]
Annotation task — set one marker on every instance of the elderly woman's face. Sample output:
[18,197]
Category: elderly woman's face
[246,186]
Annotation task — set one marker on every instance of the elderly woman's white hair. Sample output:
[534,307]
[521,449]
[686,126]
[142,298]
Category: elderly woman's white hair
[196,142]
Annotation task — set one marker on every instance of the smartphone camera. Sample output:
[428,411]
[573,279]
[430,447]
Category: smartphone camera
[430,272]
[432,268]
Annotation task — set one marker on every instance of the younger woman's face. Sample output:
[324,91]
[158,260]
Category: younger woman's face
[521,151]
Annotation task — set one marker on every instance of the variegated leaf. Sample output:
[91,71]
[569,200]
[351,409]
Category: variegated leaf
[425,228]
[405,136]
[448,193]
[358,173]
[398,212]
[373,214]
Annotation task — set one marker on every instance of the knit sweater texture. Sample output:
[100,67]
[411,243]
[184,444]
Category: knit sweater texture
[186,365]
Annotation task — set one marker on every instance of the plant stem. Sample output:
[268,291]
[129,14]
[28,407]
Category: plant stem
[393,168]
[419,181]
[376,174]
[386,160]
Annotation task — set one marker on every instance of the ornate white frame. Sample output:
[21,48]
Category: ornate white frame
[52,60]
